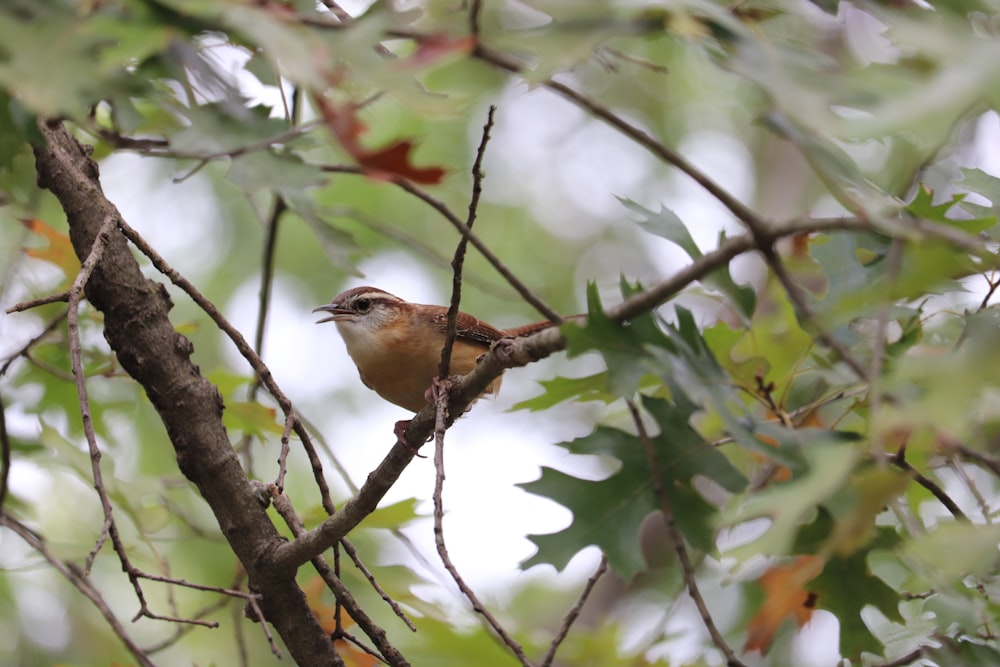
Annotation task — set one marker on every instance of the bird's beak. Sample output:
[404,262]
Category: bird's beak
[335,310]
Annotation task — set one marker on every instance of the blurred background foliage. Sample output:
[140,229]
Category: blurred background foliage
[224,126]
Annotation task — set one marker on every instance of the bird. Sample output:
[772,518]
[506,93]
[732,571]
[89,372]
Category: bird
[396,345]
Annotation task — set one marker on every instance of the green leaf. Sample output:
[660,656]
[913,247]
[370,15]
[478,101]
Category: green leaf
[394,515]
[985,185]
[847,584]
[845,587]
[788,504]
[622,346]
[666,224]
[338,245]
[962,653]
[833,165]
[608,512]
[689,363]
[682,451]
[923,206]
[224,127]
[267,170]
[587,388]
[61,64]
[251,418]
[951,551]
[773,346]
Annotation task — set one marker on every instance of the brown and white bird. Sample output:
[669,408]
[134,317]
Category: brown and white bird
[396,345]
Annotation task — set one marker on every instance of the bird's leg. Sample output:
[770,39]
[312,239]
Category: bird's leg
[433,392]
[437,386]
[400,431]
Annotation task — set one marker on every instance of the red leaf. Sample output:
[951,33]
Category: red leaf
[434,47]
[395,161]
[383,163]
[784,596]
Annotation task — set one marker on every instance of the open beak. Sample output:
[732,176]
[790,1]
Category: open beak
[336,312]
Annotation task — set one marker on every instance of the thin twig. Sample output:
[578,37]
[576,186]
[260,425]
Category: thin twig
[256,363]
[81,583]
[441,404]
[988,462]
[183,629]
[523,290]
[155,149]
[574,612]
[415,244]
[267,273]
[458,262]
[677,538]
[799,298]
[23,351]
[899,460]
[389,653]
[259,367]
[629,58]
[958,466]
[109,528]
[475,9]
[660,150]
[5,450]
[352,552]
[993,283]
[441,408]
[35,303]
[76,361]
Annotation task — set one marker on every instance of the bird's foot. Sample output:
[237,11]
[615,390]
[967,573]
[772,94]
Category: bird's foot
[434,391]
[400,430]
[438,385]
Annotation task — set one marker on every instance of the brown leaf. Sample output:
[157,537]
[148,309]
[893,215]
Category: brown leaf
[800,246]
[395,161]
[784,596]
[384,163]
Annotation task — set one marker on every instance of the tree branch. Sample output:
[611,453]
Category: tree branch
[509,353]
[674,533]
[137,327]
[81,583]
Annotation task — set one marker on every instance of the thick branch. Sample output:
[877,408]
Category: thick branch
[137,328]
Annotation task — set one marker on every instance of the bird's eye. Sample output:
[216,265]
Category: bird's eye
[363,305]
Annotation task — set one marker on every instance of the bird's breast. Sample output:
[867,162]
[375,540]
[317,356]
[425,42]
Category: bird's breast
[400,366]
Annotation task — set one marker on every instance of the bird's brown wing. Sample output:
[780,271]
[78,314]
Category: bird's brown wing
[474,329]
[469,328]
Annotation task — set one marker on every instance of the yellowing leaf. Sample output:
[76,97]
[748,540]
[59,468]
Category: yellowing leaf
[326,614]
[59,250]
[785,597]
[252,418]
[871,490]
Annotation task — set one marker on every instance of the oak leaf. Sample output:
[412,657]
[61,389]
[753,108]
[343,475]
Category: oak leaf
[785,596]
[384,163]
